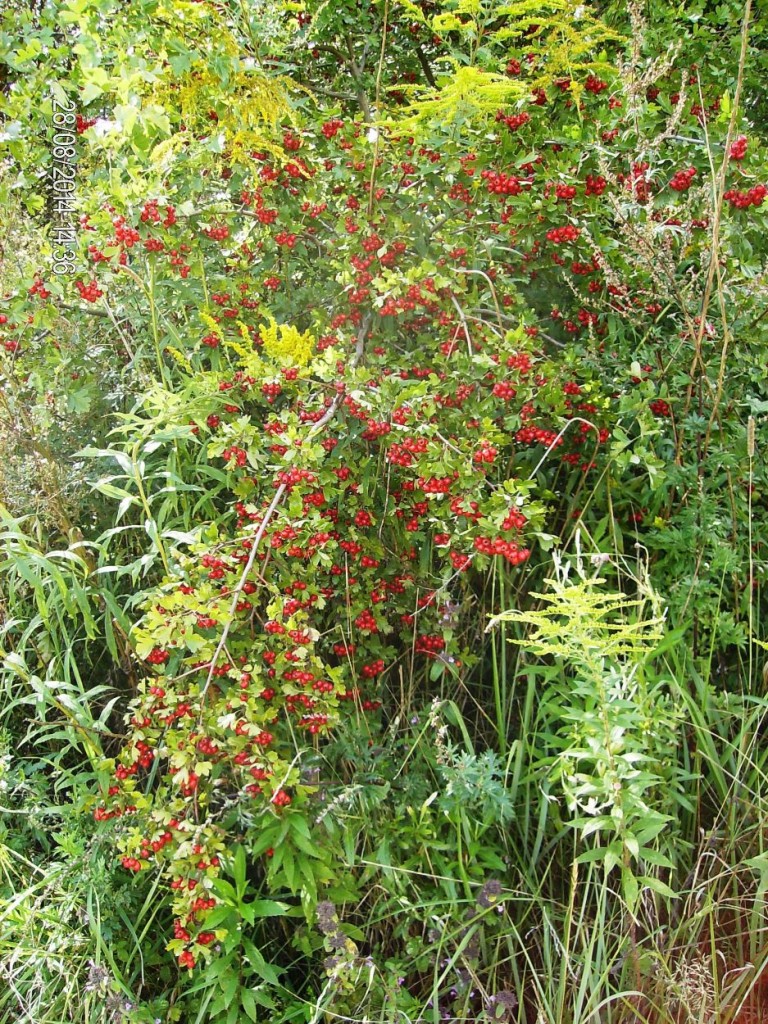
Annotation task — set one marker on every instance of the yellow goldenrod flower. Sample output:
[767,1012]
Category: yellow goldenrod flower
[286,345]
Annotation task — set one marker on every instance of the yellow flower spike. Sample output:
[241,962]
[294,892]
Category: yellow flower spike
[286,345]
[179,357]
[245,334]
[244,351]
[213,326]
[235,346]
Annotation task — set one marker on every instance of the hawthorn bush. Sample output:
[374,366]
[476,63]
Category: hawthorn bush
[396,304]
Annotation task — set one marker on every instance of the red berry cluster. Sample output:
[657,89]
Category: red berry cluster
[681,181]
[743,200]
[233,453]
[501,184]
[314,724]
[595,85]
[366,621]
[513,553]
[217,232]
[436,484]
[739,148]
[89,292]
[187,959]
[151,214]
[568,233]
[565,192]
[431,645]
[537,435]
[124,233]
[291,477]
[332,127]
[514,520]
[363,519]
[513,121]
[374,669]
[485,454]
[39,289]
[504,390]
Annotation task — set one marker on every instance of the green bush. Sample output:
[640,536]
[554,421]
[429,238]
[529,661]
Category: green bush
[383,321]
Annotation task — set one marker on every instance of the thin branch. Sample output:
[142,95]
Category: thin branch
[464,324]
[698,363]
[425,66]
[347,97]
[278,497]
[333,50]
[84,309]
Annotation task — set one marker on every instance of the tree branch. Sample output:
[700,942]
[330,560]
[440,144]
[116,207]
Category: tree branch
[425,66]
[273,505]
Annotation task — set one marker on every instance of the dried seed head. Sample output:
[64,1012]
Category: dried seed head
[751,437]
[489,894]
[502,1006]
[327,921]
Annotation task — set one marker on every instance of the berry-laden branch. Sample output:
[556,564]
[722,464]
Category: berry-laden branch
[191,844]
[354,363]
[278,497]
[273,505]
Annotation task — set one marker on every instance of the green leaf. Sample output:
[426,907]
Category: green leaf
[90,92]
[225,890]
[238,871]
[630,888]
[229,984]
[658,886]
[223,916]
[249,1003]
[269,972]
[268,908]
[631,844]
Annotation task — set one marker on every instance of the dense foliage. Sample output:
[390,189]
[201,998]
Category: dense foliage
[383,533]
